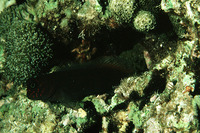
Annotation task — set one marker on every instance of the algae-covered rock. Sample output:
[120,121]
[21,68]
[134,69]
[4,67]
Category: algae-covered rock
[135,115]
[159,96]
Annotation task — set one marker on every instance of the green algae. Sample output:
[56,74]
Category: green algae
[135,115]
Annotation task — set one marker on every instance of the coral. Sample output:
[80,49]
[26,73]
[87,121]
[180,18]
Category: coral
[9,15]
[135,115]
[163,98]
[5,4]
[159,47]
[88,15]
[27,52]
[179,29]
[78,117]
[1,57]
[26,114]
[134,84]
[99,103]
[122,10]
[152,125]
[144,21]
[196,105]
[150,5]
[177,114]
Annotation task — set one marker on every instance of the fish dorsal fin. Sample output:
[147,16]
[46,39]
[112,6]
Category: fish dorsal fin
[106,61]
[113,62]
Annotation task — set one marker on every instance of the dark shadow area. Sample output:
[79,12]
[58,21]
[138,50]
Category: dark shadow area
[121,106]
[134,96]
[113,42]
[112,127]
[20,2]
[156,85]
[97,126]
[196,68]
[130,127]
[104,4]
[160,45]
[164,25]
[2,96]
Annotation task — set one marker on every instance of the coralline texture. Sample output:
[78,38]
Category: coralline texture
[122,10]
[154,101]
[9,15]
[27,51]
[137,84]
[144,21]
[149,5]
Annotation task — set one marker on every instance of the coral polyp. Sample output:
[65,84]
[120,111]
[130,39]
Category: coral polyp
[144,21]
[27,51]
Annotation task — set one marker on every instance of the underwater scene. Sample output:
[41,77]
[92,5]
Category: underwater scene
[99,66]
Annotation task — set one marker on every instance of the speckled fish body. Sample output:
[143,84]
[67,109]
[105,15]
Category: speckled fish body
[76,82]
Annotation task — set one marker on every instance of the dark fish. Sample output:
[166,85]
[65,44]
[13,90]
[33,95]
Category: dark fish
[76,82]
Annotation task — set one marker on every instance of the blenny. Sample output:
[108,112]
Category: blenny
[78,81]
